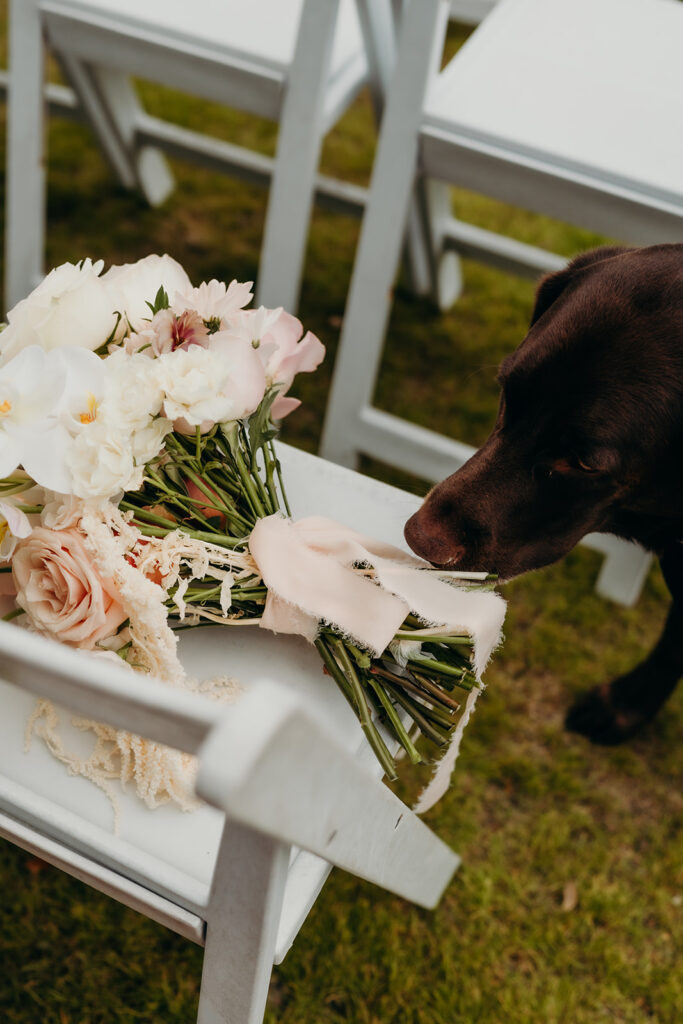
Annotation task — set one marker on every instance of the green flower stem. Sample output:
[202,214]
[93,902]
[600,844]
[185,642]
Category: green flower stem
[278,470]
[144,514]
[220,540]
[396,723]
[334,670]
[436,692]
[270,478]
[8,489]
[455,641]
[228,509]
[248,482]
[411,687]
[436,666]
[31,510]
[368,726]
[417,714]
[13,615]
[264,494]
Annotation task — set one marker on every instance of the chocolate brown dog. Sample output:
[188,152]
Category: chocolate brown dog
[589,437]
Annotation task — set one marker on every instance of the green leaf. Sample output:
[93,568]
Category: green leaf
[160,301]
[260,427]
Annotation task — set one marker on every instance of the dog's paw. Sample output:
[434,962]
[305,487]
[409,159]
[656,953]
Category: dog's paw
[595,717]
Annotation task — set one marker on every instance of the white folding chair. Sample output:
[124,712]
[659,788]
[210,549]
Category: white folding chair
[571,108]
[292,785]
[298,62]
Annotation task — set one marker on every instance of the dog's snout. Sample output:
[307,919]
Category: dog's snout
[428,540]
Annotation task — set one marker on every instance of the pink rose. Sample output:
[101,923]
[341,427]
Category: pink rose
[62,592]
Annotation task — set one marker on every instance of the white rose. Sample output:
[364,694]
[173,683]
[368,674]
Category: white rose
[71,306]
[133,285]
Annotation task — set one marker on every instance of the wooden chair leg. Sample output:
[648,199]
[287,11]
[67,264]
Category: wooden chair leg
[111,105]
[623,572]
[25,195]
[241,930]
[298,152]
[382,233]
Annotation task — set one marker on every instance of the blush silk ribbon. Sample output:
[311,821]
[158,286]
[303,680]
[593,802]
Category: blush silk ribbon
[308,568]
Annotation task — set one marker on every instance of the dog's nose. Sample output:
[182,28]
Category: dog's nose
[430,544]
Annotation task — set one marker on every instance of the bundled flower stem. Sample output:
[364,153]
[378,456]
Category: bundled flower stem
[214,487]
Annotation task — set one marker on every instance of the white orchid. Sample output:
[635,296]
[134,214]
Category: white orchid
[14,526]
[44,398]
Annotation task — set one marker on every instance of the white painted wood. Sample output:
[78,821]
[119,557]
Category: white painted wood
[614,121]
[296,162]
[110,105]
[25,191]
[244,911]
[499,251]
[624,571]
[536,111]
[104,880]
[471,12]
[289,60]
[393,176]
[331,806]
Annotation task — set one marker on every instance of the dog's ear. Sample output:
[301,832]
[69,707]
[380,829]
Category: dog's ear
[552,286]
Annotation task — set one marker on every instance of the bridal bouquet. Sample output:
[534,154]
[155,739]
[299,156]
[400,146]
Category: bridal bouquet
[141,494]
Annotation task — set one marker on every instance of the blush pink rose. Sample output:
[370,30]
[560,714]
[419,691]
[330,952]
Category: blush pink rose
[61,590]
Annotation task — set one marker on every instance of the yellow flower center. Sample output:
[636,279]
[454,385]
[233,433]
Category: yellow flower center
[91,415]
[4,527]
[5,407]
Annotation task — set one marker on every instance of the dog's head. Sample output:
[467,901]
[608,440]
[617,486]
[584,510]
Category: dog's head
[589,433]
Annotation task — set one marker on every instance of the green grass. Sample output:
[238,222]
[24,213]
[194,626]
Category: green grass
[532,811]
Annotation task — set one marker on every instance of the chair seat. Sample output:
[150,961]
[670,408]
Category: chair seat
[171,851]
[514,86]
[226,30]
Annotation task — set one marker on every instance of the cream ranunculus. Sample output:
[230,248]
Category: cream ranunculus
[102,462]
[71,306]
[61,590]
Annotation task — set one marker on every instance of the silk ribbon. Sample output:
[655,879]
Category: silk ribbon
[310,569]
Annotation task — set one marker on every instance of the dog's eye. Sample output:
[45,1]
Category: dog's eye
[579,463]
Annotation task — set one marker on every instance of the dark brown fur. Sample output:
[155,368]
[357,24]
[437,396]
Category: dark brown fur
[589,437]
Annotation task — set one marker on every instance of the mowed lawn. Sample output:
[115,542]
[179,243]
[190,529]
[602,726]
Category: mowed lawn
[568,906]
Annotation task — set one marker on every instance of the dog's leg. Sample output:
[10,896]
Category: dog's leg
[612,713]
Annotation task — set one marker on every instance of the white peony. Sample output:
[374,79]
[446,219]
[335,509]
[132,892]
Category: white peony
[207,386]
[133,285]
[71,306]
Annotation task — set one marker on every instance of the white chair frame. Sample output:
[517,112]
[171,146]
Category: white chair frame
[297,800]
[411,152]
[98,51]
